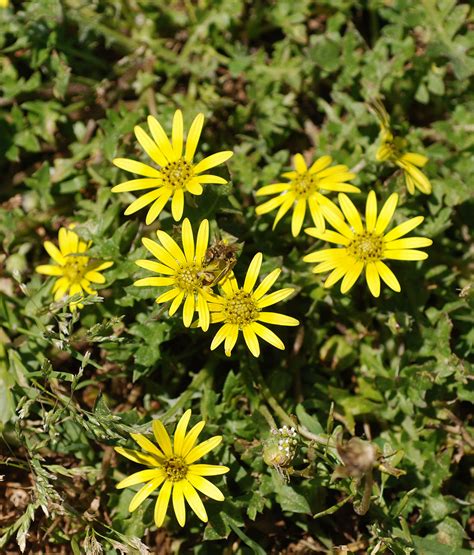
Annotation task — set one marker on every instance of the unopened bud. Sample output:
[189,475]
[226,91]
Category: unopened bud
[280,448]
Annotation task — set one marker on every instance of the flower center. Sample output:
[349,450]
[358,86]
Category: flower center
[188,279]
[304,185]
[176,469]
[177,174]
[366,247]
[75,268]
[240,309]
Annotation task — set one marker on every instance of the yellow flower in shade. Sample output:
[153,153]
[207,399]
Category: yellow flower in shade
[365,247]
[305,188]
[241,309]
[391,149]
[177,173]
[172,467]
[73,268]
[182,272]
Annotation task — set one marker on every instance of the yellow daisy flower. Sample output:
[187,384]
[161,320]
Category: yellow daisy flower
[184,272]
[177,172]
[305,188]
[241,309]
[172,467]
[75,270]
[365,247]
[391,149]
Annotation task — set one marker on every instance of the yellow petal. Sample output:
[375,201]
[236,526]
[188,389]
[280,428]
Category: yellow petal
[372,278]
[203,311]
[208,178]
[299,163]
[298,216]
[351,276]
[414,158]
[286,205]
[95,277]
[371,211]
[268,335]
[136,185]
[188,310]
[193,137]
[162,503]
[272,189]
[161,139]
[206,487]
[316,213]
[403,228]
[145,199]
[180,433]
[231,339]
[155,267]
[213,160]
[147,445]
[320,164]
[409,243]
[220,336]
[202,240]
[266,284]
[177,134]
[334,276]
[334,170]
[351,213]
[162,438]
[252,272]
[405,254]
[165,297]
[251,340]
[176,303]
[388,276]
[191,438]
[157,207]
[386,213]
[140,477]
[330,236]
[171,246]
[178,502]
[194,187]
[160,253]
[177,204]
[144,492]
[208,469]
[271,204]
[326,254]
[49,270]
[54,253]
[274,297]
[339,187]
[202,449]
[150,147]
[154,281]
[138,457]
[133,166]
[194,501]
[277,319]
[188,240]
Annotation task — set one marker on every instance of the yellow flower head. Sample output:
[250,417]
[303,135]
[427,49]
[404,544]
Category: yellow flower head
[73,268]
[4,3]
[176,173]
[241,309]
[365,247]
[173,468]
[184,271]
[392,149]
[305,188]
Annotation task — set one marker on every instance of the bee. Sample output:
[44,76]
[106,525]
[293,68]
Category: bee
[218,262]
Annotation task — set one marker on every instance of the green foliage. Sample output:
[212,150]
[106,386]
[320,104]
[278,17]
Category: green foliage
[273,79]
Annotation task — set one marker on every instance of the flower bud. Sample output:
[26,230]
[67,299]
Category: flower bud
[280,448]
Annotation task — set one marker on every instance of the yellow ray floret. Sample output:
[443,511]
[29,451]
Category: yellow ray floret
[181,271]
[242,309]
[364,247]
[73,268]
[175,173]
[172,466]
[306,188]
